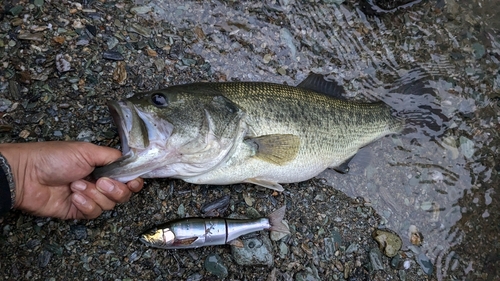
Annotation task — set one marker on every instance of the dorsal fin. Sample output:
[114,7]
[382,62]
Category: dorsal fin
[317,83]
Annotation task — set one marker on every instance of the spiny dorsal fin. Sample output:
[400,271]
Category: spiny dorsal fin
[317,83]
[277,149]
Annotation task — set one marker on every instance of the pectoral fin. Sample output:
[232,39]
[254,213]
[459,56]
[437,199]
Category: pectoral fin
[268,184]
[277,149]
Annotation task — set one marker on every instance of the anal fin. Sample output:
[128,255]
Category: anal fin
[268,184]
[277,149]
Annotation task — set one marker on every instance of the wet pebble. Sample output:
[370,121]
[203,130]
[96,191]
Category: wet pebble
[425,263]
[79,231]
[415,236]
[140,10]
[389,242]
[466,147]
[332,244]
[308,274]
[396,261]
[215,265]
[376,259]
[255,251]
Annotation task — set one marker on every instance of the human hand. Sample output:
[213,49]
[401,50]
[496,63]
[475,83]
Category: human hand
[50,179]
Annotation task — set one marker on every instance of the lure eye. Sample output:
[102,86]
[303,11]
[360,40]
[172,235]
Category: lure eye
[159,100]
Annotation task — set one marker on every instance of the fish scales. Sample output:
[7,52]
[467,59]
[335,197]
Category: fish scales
[331,130]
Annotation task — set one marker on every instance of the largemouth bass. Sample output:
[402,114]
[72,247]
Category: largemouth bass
[243,132]
[198,232]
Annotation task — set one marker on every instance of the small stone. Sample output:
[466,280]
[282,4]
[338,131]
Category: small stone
[62,64]
[139,10]
[38,3]
[59,39]
[4,104]
[79,231]
[24,134]
[248,199]
[120,73]
[352,248]
[415,236]
[181,211]
[283,250]
[255,251]
[332,244]
[151,52]
[31,36]
[479,50]
[466,147]
[396,261]
[195,277]
[112,55]
[136,28]
[388,241]
[58,134]
[16,10]
[134,256]
[85,135]
[215,265]
[309,274]
[267,58]
[111,41]
[425,263]
[44,258]
[426,206]
[376,259]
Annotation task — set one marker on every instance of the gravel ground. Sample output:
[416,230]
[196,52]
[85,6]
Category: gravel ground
[62,60]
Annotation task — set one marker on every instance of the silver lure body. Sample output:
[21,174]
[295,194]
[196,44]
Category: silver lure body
[199,232]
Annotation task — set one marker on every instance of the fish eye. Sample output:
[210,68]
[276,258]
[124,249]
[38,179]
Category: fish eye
[159,100]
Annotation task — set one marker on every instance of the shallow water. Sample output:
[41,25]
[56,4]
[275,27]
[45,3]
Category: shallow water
[444,186]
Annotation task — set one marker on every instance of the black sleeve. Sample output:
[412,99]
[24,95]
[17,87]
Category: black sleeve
[7,186]
[5,199]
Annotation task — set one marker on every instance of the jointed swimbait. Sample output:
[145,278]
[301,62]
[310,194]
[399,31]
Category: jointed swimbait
[199,232]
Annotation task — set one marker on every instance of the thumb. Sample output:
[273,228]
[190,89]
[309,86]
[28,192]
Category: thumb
[99,155]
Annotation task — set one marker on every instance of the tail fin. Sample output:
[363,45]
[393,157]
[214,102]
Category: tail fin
[275,220]
[419,105]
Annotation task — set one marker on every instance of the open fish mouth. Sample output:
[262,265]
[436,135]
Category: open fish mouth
[132,129]
[143,138]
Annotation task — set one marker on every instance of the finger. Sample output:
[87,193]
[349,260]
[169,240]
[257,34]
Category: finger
[97,155]
[88,208]
[114,190]
[135,185]
[90,191]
